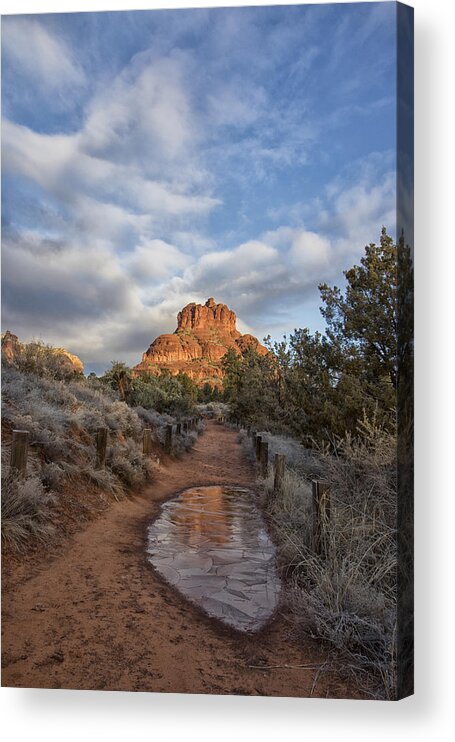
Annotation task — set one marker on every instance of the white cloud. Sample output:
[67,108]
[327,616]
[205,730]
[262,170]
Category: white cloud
[40,55]
[145,114]
[133,186]
[154,260]
[310,252]
[41,157]
[123,298]
[237,104]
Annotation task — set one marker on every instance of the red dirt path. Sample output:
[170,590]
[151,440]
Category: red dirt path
[95,616]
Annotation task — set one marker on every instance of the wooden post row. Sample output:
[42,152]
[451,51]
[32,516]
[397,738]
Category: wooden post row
[168,439]
[278,482]
[19,452]
[321,515]
[101,444]
[147,441]
[264,459]
[258,447]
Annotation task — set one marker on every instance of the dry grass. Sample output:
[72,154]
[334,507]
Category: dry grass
[348,596]
[62,417]
[26,511]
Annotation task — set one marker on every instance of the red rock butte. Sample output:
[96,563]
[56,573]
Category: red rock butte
[204,334]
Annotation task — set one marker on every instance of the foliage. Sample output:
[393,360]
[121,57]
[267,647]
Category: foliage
[164,393]
[214,409]
[317,386]
[62,417]
[25,510]
[348,596]
[44,360]
[208,393]
[363,323]
[119,377]
[251,386]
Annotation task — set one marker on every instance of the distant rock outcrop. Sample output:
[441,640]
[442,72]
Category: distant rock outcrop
[203,335]
[11,347]
[13,351]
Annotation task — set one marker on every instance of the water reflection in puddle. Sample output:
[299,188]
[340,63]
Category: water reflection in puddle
[211,543]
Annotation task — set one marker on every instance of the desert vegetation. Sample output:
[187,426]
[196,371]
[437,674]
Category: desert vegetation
[329,403]
[347,595]
[318,386]
[62,411]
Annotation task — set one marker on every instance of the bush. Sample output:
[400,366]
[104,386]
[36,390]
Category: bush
[45,361]
[26,511]
[347,597]
[213,409]
[165,393]
[62,418]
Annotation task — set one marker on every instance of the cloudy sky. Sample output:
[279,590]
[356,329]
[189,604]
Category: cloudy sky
[154,158]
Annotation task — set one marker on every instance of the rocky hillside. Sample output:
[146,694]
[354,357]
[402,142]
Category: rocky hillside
[203,335]
[27,356]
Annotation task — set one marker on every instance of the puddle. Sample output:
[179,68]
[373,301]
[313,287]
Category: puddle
[211,544]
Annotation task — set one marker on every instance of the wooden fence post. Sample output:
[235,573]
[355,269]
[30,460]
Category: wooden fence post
[19,452]
[147,441]
[101,443]
[185,426]
[258,447]
[321,515]
[278,482]
[264,459]
[178,429]
[168,439]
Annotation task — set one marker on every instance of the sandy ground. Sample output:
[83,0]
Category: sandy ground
[94,615]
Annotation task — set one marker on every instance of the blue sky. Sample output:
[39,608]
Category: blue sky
[153,158]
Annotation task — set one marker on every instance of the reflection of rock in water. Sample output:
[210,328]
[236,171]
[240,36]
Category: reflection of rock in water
[211,543]
[204,511]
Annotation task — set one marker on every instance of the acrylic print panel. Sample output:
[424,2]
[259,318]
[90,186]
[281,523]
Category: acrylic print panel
[207,350]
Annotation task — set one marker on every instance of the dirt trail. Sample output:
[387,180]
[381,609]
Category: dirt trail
[96,616]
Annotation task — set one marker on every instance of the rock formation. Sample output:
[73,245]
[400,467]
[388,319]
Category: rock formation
[11,347]
[13,351]
[203,335]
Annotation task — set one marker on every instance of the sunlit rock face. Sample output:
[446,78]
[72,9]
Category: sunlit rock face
[203,335]
[66,362]
[211,544]
[11,347]
[203,318]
